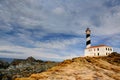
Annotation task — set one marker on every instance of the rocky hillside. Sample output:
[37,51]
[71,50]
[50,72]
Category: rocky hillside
[3,64]
[23,68]
[83,68]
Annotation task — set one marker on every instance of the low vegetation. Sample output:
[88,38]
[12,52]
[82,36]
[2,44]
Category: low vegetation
[83,68]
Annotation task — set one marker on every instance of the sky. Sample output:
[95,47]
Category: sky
[55,29]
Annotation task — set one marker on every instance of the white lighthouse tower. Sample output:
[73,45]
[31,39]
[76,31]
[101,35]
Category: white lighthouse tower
[99,50]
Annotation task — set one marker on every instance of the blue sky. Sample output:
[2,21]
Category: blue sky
[55,29]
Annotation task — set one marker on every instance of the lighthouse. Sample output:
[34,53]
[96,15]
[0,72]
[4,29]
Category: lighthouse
[98,50]
[88,41]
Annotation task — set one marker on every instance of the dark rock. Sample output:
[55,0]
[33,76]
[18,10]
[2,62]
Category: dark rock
[3,64]
[24,68]
[30,59]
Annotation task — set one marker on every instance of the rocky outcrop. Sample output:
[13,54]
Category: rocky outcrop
[24,68]
[83,68]
[3,64]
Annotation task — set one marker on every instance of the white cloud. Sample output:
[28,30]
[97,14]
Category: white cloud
[58,10]
[56,50]
[6,28]
[114,40]
[4,42]
[29,22]
[110,24]
[35,52]
[44,17]
[58,44]
[31,14]
[116,49]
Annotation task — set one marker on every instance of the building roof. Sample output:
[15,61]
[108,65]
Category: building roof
[102,45]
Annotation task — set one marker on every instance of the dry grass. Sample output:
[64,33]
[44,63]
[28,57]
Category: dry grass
[25,79]
[83,68]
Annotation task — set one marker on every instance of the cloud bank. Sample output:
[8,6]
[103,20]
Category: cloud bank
[55,30]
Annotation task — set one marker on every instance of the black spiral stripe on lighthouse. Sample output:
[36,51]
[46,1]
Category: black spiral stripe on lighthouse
[88,35]
[88,42]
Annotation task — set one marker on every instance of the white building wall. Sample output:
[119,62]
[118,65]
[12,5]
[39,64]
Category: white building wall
[98,51]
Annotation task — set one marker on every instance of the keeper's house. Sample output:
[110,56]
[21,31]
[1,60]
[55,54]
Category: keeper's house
[99,50]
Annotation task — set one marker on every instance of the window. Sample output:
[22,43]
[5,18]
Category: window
[106,48]
[98,49]
[106,54]
[98,54]
[111,49]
